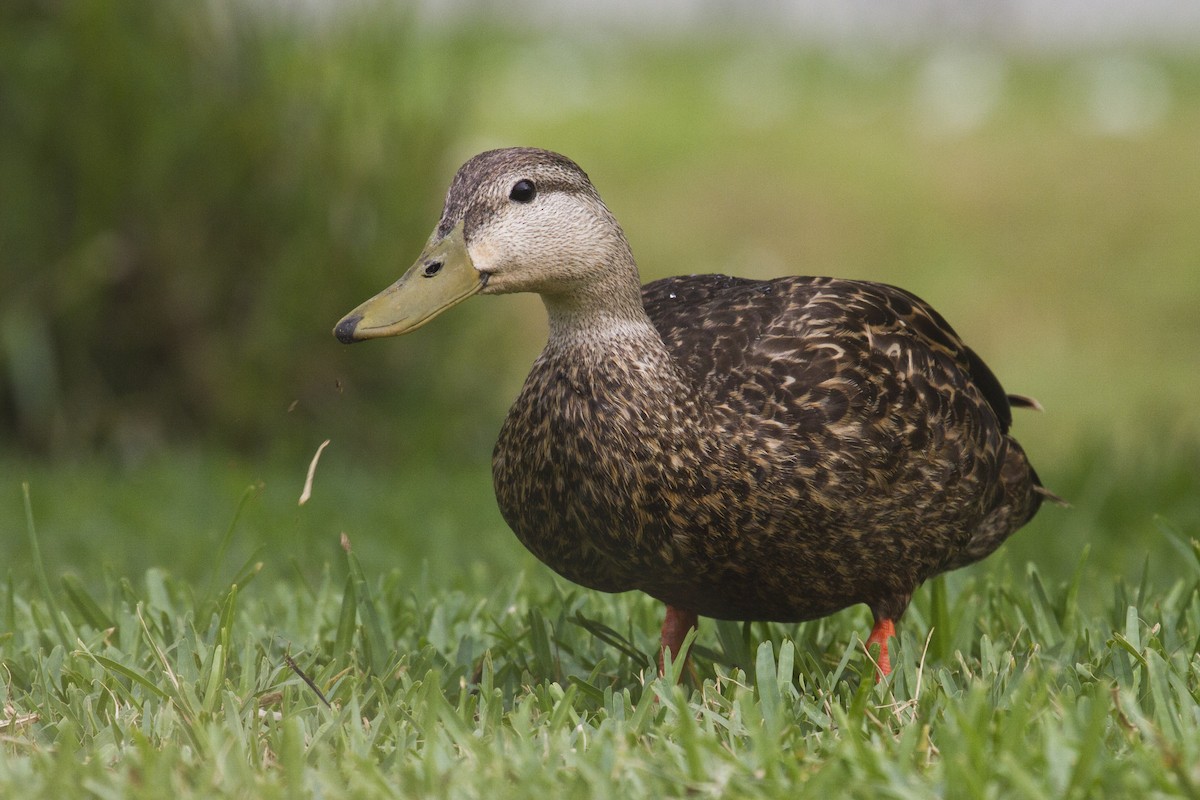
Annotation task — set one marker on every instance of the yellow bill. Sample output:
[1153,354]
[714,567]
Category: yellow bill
[442,277]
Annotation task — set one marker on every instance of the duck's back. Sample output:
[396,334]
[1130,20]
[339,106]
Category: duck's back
[805,335]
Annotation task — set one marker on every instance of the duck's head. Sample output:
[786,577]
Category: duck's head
[515,220]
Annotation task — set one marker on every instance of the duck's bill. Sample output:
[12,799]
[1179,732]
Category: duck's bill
[442,277]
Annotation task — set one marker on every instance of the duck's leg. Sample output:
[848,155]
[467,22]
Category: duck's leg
[885,628]
[675,627]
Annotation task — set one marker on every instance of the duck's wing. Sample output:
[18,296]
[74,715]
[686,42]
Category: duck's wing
[792,335]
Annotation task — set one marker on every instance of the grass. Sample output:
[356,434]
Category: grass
[472,672]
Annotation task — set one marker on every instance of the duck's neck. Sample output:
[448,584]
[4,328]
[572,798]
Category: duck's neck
[617,342]
[608,309]
[573,327]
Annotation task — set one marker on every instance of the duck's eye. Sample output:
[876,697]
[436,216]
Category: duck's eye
[523,191]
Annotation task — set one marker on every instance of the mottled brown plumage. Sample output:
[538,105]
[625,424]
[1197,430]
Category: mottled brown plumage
[798,446]
[739,449]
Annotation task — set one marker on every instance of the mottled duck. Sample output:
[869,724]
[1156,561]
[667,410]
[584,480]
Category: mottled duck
[739,449]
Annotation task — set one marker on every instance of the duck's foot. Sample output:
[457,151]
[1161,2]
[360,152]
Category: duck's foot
[884,629]
[675,627]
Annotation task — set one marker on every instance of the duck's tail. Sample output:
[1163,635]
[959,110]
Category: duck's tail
[1024,401]
[1022,494]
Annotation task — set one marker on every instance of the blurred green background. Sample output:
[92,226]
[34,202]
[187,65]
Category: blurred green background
[192,194]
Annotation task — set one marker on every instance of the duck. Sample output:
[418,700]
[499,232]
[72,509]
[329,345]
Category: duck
[774,450]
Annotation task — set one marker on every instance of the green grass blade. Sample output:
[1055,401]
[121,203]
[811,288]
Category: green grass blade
[292,755]
[1089,746]
[214,670]
[1133,627]
[539,642]
[223,545]
[1144,583]
[225,621]
[88,608]
[1189,548]
[732,637]
[787,666]
[65,638]
[587,688]
[857,712]
[377,644]
[212,682]
[10,605]
[343,641]
[943,640]
[1070,604]
[250,569]
[1129,647]
[766,681]
[610,637]
[563,712]
[674,667]
[131,674]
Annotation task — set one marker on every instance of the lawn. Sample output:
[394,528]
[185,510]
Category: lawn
[174,623]
[278,661]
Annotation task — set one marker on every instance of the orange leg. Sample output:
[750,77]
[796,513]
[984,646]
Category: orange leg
[884,629]
[675,627]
